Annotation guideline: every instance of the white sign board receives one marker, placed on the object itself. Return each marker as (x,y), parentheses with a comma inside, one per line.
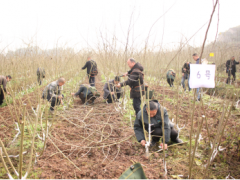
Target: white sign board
(202,75)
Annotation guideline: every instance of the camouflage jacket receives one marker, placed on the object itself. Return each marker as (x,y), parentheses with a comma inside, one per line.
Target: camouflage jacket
(52,90)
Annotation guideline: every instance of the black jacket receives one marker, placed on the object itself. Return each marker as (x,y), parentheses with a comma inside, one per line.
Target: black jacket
(187,67)
(89,66)
(156,121)
(110,87)
(134,75)
(231,66)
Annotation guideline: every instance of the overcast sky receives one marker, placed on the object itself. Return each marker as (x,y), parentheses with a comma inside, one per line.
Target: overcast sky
(78,23)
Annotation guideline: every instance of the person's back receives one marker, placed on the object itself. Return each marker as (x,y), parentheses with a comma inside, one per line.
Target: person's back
(87,93)
(51,89)
(3,80)
(171,74)
(92,71)
(40,75)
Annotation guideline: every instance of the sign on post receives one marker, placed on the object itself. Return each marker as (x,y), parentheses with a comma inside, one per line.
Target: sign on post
(202,75)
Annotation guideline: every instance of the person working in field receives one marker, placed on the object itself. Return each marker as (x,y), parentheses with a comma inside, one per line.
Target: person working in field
(185,75)
(231,68)
(40,75)
(92,71)
(53,93)
(154,110)
(87,94)
(3,84)
(111,92)
(136,83)
(170,77)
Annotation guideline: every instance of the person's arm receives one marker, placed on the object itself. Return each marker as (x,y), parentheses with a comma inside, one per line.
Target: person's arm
(106,88)
(183,68)
(227,64)
(131,77)
(236,62)
(81,89)
(138,128)
(4,85)
(85,66)
(167,128)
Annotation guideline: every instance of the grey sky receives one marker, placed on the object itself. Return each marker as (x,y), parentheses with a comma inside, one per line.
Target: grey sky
(79,22)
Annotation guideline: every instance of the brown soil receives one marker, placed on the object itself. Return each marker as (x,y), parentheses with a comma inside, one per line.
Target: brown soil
(102,143)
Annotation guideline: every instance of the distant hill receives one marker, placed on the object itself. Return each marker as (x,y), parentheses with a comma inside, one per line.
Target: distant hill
(231,35)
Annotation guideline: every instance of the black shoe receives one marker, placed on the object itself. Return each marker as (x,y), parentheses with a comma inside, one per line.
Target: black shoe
(178,140)
(153,143)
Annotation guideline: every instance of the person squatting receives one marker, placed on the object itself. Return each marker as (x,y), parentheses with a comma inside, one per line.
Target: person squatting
(155,113)
(87,94)
(112,92)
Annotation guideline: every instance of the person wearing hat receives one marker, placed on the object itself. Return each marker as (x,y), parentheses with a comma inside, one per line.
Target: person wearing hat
(87,94)
(111,92)
(170,77)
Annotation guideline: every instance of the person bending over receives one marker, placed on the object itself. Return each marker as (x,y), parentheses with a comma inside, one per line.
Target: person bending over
(170,77)
(87,94)
(154,111)
(111,92)
(53,93)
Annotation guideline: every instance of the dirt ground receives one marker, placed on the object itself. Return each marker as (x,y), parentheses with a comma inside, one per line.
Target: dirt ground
(99,140)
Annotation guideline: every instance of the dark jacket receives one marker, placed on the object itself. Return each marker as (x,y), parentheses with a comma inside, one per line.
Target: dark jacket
(156,121)
(134,75)
(52,90)
(187,67)
(41,72)
(89,66)
(85,90)
(110,87)
(231,66)
(3,82)
(170,75)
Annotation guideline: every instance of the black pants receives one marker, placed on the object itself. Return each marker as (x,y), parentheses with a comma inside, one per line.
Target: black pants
(109,99)
(54,101)
(158,132)
(170,82)
(39,79)
(90,98)
(137,104)
(1,96)
(91,80)
(229,76)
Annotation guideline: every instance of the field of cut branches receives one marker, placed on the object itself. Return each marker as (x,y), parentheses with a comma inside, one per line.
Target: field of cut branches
(98,141)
